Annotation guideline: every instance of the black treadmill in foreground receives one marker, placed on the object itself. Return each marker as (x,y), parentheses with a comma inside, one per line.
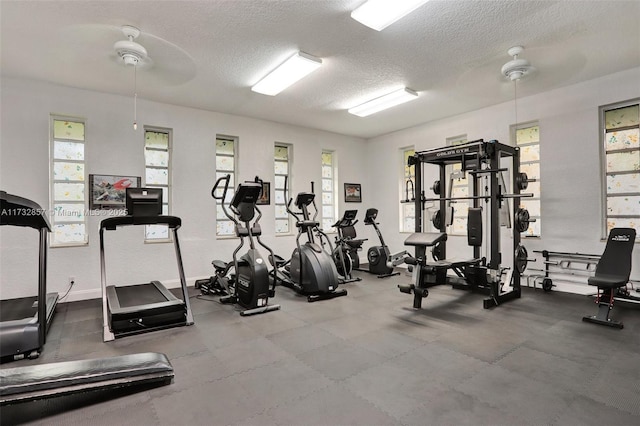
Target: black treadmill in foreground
(24,322)
(138,308)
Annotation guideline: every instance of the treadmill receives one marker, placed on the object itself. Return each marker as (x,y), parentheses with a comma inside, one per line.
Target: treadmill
(24,322)
(139,308)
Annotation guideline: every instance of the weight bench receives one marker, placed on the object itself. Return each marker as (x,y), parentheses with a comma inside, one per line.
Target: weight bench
(42,381)
(612,272)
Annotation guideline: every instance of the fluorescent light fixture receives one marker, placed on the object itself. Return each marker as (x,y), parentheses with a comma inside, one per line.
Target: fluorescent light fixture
(383,102)
(293,69)
(379,14)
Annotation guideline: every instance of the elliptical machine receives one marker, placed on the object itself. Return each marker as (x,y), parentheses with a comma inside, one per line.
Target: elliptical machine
(249,285)
(381,261)
(345,255)
(310,271)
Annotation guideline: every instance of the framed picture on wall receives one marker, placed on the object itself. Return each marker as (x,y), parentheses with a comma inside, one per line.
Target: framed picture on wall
(352,193)
(108,191)
(265,195)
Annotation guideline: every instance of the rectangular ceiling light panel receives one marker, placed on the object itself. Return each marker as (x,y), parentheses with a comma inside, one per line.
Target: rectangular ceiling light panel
(379,14)
(287,73)
(383,102)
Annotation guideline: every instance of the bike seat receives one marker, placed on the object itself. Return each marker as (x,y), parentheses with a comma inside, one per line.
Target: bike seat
(219,265)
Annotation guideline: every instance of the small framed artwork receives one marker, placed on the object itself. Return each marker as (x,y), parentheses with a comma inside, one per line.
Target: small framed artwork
(352,193)
(108,191)
(265,195)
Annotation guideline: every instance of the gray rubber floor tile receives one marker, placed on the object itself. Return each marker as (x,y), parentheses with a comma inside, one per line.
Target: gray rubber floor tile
(583,411)
(333,405)
(516,395)
(488,345)
(249,354)
(272,322)
(340,360)
(303,339)
(219,334)
(548,368)
(616,388)
(387,343)
(281,382)
(173,342)
(350,326)
(440,364)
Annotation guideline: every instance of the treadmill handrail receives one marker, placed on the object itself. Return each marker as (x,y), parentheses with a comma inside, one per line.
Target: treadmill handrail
(19,211)
(111,223)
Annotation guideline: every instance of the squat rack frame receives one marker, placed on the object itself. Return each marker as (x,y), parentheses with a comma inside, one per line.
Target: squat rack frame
(472,155)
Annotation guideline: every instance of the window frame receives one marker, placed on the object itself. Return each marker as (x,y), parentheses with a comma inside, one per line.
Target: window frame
(406,173)
(602,110)
(232,184)
(514,141)
(52,181)
(289,162)
(334,192)
(169,132)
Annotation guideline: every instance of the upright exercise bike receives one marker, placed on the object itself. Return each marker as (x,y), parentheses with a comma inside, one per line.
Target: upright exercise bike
(345,255)
(310,271)
(381,261)
(249,285)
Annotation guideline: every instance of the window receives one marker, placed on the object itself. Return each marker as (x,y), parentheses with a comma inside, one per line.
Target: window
(527,137)
(459,188)
(329,179)
(68,197)
(225,165)
(157,161)
(407,207)
(621,164)
(282,169)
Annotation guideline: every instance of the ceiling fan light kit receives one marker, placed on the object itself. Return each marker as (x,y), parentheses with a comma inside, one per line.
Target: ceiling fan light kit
(132,53)
(516,68)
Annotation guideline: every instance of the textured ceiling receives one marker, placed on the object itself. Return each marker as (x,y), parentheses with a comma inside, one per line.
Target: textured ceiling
(207,54)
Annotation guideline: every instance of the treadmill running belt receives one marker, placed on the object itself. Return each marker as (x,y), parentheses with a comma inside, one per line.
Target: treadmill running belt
(137,295)
(17,309)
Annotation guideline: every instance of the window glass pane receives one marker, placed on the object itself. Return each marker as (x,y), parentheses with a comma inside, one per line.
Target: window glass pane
(623,183)
(156,158)
(68,191)
(533,206)
(326,225)
(280,197)
(68,212)
(534,228)
(327,171)
(409,209)
(224,147)
(527,135)
(614,222)
(225,227)
(157,176)
(625,205)
(281,153)
(530,153)
(279,182)
(220,212)
(459,225)
(461,209)
(327,184)
(622,117)
(68,130)
(281,212)
(69,233)
(281,168)
(460,191)
(327,198)
(327,159)
(533,188)
(68,150)
(532,170)
(623,161)
(327,212)
(622,139)
(282,226)
(68,171)
(224,163)
(409,224)
(156,232)
(156,140)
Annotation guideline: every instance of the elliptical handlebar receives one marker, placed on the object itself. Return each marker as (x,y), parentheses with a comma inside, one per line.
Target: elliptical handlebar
(315,215)
(226,180)
(291,212)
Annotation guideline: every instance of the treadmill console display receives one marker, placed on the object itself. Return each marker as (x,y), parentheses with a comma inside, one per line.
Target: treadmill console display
(144,201)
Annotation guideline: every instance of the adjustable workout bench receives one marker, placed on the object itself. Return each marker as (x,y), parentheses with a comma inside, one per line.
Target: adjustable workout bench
(612,272)
(36,382)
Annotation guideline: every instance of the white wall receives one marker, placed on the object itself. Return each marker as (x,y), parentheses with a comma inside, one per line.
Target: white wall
(570,163)
(113,147)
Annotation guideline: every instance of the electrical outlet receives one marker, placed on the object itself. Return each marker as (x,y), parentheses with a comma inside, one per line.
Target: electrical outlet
(72,280)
